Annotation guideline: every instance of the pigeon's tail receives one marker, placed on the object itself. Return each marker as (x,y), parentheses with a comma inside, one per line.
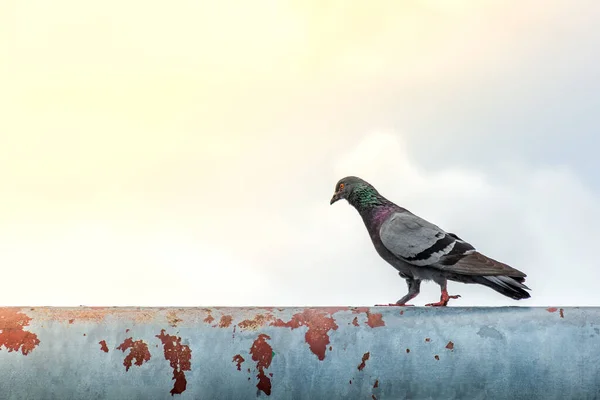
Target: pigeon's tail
(512,287)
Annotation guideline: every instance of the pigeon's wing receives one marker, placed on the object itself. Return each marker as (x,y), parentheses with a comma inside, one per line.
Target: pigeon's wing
(421,243)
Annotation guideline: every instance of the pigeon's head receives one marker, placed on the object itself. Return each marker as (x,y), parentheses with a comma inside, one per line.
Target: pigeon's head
(345,186)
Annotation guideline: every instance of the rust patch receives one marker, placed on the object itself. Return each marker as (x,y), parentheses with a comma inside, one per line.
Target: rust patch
(375,320)
(350,381)
(450,345)
(437,357)
(562,313)
(427,339)
(358,310)
(179,357)
(376,383)
(363,362)
(258,321)
(401,312)
(126,330)
(332,310)
(373,397)
(103,346)
(238,359)
(172,318)
(225,321)
(12,335)
(139,352)
(262,354)
(407,351)
(355,321)
(71,321)
(93,314)
(319,324)
(330,348)
(552,309)
(209,318)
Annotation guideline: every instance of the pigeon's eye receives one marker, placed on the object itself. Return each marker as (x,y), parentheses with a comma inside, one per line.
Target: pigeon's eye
(341,186)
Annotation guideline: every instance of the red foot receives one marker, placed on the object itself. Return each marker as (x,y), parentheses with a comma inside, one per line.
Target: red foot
(394,305)
(443,300)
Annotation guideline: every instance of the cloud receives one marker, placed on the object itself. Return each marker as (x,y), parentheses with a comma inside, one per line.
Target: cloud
(114,264)
(306,252)
(541,221)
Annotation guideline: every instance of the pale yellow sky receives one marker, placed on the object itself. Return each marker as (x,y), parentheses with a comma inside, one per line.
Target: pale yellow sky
(123,120)
(97,96)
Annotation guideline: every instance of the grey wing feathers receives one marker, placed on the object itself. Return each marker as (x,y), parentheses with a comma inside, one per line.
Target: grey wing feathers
(421,243)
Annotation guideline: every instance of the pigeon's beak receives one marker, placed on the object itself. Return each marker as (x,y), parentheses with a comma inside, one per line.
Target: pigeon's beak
(336,197)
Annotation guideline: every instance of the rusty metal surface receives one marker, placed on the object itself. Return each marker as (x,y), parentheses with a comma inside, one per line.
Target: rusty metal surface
(300,353)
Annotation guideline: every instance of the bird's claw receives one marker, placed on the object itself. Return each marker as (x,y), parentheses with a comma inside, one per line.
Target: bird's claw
(443,301)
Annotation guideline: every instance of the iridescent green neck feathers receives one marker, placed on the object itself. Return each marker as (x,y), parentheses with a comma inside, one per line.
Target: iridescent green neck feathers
(364,197)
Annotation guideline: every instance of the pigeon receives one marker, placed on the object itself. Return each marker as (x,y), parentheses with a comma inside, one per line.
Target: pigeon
(420,250)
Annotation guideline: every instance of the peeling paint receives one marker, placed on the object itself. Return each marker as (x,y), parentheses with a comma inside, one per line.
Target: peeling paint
(319,324)
(209,318)
(179,357)
(363,362)
(291,333)
(92,314)
(12,335)
(262,354)
(238,359)
(139,351)
(172,319)
(375,320)
(258,321)
(225,321)
(554,309)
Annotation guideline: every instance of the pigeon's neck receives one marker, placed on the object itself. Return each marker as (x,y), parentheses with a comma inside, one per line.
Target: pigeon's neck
(366,200)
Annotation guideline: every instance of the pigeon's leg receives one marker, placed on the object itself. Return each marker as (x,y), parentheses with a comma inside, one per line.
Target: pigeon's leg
(414,287)
(445,297)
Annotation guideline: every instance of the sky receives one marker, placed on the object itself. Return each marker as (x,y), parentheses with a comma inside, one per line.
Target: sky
(184,153)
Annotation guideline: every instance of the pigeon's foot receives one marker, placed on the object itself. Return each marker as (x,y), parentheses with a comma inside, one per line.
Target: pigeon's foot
(394,305)
(444,299)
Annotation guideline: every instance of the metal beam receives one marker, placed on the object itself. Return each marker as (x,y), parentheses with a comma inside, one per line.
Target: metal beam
(300,353)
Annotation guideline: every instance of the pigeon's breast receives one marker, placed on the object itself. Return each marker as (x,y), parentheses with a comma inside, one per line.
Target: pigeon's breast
(373,223)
